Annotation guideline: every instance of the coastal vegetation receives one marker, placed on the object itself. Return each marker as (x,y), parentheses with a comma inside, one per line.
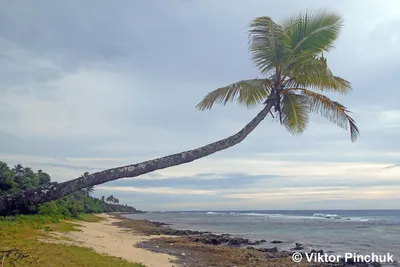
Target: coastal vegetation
(296,76)
(20,234)
(23,243)
(19,178)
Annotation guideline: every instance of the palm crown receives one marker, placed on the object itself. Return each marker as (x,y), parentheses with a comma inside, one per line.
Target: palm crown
(290,56)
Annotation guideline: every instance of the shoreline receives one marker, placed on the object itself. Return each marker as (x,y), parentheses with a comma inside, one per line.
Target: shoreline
(203,249)
(157,244)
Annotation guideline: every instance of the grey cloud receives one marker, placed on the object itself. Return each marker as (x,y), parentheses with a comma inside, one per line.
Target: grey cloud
(237,182)
(203,181)
(13,144)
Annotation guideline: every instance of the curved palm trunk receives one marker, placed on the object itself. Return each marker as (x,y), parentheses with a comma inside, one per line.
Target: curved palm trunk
(23,200)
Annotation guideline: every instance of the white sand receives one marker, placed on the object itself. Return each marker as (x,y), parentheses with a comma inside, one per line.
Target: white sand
(114,241)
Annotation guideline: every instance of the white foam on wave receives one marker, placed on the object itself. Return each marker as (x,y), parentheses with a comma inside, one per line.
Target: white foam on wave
(315,216)
(255,214)
(335,216)
(328,216)
(359,219)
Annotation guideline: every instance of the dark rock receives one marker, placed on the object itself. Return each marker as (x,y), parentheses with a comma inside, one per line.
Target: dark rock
(211,239)
(256,243)
(159,224)
(269,250)
(276,242)
(170,231)
(237,242)
(298,247)
(224,239)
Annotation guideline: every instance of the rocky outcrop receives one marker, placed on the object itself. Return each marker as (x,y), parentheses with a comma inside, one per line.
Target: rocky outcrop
(276,242)
(225,239)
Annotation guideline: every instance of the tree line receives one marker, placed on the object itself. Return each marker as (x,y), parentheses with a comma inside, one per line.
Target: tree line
(20,178)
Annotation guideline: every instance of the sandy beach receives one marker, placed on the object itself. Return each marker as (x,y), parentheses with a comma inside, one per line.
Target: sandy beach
(140,241)
(103,237)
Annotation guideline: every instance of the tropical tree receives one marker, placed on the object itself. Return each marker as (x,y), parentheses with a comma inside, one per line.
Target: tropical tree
(6,178)
(88,190)
(18,170)
(112,200)
(43,178)
(296,74)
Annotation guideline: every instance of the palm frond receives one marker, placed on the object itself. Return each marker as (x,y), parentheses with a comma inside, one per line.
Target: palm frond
(247,92)
(313,72)
(313,31)
(295,112)
(266,43)
(332,110)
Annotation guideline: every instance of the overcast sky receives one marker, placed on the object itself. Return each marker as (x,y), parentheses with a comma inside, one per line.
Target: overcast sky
(88,85)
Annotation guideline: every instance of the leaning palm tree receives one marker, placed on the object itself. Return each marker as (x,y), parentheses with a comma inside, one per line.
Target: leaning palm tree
(87,190)
(290,56)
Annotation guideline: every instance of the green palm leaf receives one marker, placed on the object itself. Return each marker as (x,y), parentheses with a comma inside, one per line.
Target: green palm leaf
(313,31)
(332,110)
(247,92)
(266,43)
(295,112)
(315,73)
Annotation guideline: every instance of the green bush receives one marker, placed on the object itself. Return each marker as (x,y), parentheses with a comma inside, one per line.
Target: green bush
(49,208)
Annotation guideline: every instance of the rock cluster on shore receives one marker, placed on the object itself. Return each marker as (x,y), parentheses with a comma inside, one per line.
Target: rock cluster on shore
(238,242)
(195,247)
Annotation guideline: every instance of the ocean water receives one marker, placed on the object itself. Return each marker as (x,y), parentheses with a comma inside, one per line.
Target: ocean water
(341,231)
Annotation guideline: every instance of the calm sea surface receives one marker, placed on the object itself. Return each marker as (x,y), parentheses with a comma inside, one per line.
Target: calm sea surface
(341,231)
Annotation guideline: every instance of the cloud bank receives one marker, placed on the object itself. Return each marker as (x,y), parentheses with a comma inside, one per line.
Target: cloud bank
(85,89)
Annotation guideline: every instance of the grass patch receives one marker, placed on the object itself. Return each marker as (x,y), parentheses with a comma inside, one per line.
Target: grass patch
(62,227)
(89,218)
(19,245)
